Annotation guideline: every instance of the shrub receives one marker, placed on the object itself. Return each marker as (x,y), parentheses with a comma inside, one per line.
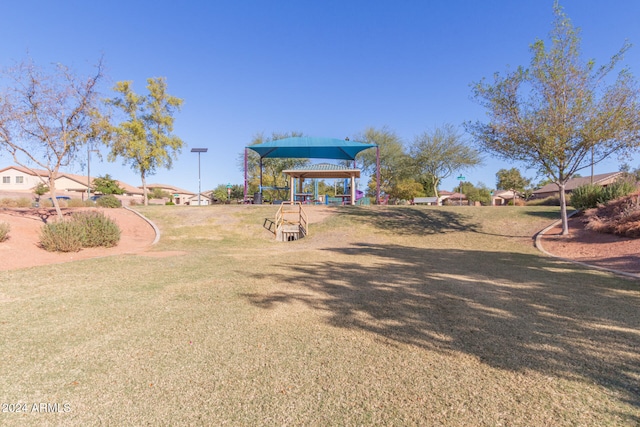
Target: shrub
(4,231)
(109,201)
(547,201)
(78,203)
(620,216)
(19,202)
(586,196)
(591,195)
(82,230)
(60,236)
(95,229)
(616,190)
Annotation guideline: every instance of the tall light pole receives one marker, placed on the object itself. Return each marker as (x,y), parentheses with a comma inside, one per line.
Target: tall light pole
(199,150)
(89,150)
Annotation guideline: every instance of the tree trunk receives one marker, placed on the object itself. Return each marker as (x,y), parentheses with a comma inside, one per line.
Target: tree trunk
(144,190)
(435,187)
(563,210)
(54,199)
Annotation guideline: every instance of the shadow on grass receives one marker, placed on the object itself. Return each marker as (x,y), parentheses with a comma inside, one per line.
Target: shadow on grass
(411,221)
(552,215)
(512,311)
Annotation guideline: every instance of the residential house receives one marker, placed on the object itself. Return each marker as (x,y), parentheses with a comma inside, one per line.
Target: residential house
(179,195)
(17,178)
(206,198)
(450,198)
(503,197)
(454,199)
(20,180)
(551,190)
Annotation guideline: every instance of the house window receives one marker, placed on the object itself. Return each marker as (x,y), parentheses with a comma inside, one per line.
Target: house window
(19,179)
(6,180)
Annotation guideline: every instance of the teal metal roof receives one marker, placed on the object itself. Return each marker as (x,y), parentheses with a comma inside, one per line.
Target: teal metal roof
(322,167)
(323,170)
(310,148)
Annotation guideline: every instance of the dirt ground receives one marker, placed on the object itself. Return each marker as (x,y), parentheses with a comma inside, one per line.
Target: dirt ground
(590,247)
(22,250)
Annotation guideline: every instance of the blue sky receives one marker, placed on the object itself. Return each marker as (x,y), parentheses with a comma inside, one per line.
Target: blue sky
(327,68)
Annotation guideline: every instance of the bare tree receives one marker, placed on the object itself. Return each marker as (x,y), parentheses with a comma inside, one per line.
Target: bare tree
(46,117)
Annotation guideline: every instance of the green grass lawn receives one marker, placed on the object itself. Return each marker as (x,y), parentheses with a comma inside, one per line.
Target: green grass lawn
(382,316)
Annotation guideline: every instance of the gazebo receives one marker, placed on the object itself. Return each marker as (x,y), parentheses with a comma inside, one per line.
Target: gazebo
(314,148)
(322,171)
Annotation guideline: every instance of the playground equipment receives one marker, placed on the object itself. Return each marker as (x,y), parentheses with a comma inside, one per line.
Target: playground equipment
(291,222)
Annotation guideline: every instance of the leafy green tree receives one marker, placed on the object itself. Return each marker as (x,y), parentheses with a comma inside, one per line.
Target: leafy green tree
(221,192)
(394,162)
(46,117)
(159,193)
(475,194)
(325,187)
(511,179)
(438,154)
(429,185)
(144,140)
(406,189)
(559,116)
(106,185)
(40,190)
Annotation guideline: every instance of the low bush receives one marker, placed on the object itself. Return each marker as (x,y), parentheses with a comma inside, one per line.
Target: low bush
(78,203)
(586,196)
(82,230)
(19,202)
(591,195)
(4,231)
(518,202)
(60,236)
(48,203)
(617,190)
(96,229)
(547,201)
(620,216)
(109,201)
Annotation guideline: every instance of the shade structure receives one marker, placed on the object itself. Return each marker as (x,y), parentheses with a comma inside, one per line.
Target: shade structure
(323,171)
(310,148)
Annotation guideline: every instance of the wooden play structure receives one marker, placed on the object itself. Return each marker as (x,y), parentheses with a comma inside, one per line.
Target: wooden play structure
(291,222)
(291,219)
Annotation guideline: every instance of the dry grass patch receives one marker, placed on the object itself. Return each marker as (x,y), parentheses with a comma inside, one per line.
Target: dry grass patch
(382,316)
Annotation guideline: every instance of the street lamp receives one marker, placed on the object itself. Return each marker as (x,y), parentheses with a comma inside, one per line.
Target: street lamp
(89,150)
(199,150)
